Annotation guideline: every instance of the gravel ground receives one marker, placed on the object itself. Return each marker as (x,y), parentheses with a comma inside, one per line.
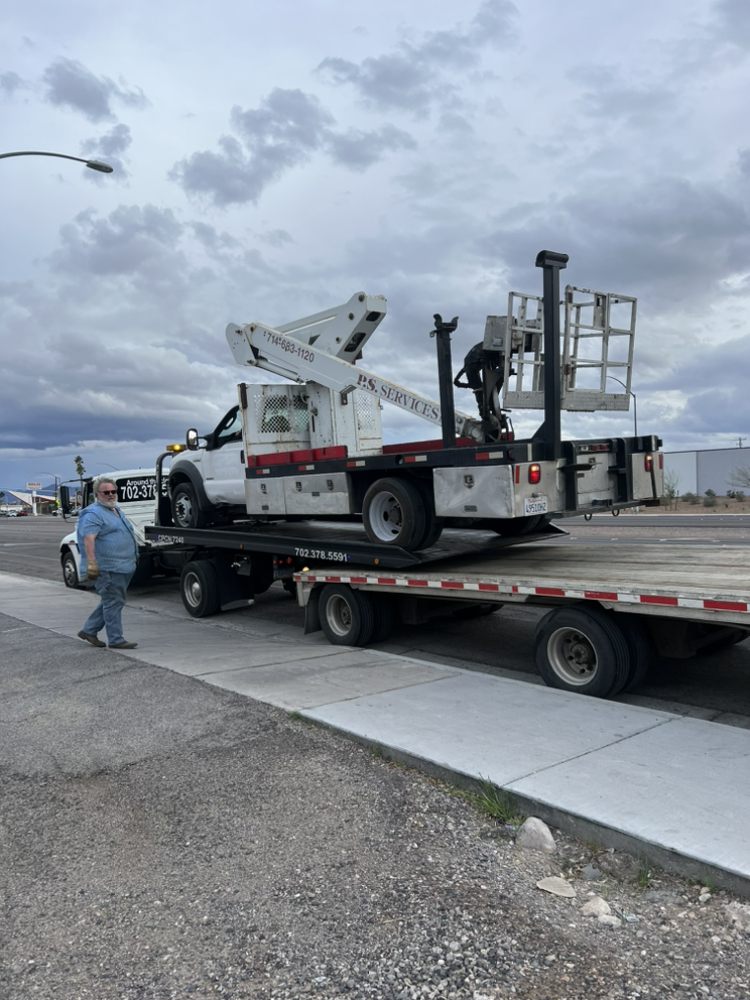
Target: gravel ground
(221,848)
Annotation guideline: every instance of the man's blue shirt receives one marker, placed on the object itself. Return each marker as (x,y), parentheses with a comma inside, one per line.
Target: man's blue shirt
(116,547)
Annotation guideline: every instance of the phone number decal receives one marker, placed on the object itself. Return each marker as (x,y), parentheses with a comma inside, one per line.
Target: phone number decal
(291,346)
(329,554)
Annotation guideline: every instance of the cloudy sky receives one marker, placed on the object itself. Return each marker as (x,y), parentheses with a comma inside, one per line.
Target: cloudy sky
(273,157)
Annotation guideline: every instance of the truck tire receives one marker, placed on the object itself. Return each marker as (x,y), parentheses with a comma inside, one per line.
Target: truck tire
(641,650)
(69,571)
(394,513)
(199,588)
(433,528)
(186,512)
(347,616)
(582,651)
(385,617)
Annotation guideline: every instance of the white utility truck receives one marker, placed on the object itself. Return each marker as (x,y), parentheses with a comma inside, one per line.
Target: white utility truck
(611,607)
(314,447)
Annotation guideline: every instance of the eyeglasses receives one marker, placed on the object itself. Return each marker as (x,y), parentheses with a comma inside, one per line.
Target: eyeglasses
(108,493)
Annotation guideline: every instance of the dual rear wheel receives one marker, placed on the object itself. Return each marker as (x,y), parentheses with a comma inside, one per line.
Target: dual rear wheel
(590,651)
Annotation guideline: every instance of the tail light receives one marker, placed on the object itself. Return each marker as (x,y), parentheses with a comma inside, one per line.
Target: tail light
(648,462)
(535,473)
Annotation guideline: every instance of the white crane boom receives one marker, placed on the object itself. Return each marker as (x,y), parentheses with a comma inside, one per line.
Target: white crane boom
(280,350)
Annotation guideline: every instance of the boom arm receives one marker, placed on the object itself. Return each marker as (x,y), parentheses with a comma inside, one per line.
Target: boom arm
(272,349)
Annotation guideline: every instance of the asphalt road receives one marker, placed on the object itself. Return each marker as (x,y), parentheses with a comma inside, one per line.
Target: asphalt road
(715,686)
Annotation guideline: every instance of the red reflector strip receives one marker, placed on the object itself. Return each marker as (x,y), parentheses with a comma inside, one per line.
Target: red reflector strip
(418,583)
(451,585)
(671,602)
(517,476)
(549,591)
(600,595)
(725,605)
(388,581)
(491,587)
(414,458)
(335,451)
(305,468)
(358,579)
(333,579)
(355,465)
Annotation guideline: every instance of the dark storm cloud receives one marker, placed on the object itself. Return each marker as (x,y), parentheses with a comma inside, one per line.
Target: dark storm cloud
(716,380)
(286,125)
(10,82)
(417,74)
(358,149)
(612,97)
(284,131)
(72,85)
(134,240)
(674,239)
(111,148)
(733,21)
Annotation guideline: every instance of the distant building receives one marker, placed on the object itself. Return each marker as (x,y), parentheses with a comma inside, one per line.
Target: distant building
(698,471)
(21,499)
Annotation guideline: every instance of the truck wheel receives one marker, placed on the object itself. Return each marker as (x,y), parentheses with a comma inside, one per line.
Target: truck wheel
(69,571)
(582,651)
(199,587)
(346,616)
(385,617)
(433,528)
(641,651)
(394,513)
(186,512)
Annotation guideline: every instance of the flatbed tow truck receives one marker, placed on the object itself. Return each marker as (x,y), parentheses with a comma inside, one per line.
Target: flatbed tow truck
(612,609)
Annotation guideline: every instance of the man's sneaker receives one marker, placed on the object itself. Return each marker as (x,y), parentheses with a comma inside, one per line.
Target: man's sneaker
(88,637)
(122,645)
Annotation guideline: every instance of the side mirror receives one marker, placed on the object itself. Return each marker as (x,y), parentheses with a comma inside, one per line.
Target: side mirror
(192,439)
(65,503)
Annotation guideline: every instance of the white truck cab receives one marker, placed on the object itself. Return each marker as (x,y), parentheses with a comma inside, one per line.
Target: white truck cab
(207,481)
(136,495)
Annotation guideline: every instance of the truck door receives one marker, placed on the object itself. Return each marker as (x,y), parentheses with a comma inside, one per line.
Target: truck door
(223,467)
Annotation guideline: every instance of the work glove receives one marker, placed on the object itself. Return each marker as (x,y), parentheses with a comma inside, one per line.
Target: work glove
(92,571)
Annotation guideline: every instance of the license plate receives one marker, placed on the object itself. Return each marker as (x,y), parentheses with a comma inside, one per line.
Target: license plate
(535,505)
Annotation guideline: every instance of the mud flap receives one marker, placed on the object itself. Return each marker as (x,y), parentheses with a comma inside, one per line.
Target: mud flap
(312,617)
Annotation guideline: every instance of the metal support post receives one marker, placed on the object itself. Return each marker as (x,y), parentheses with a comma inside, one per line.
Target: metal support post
(549,433)
(443,333)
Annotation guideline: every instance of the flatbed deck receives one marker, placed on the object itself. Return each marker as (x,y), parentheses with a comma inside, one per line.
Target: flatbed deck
(338,542)
(704,583)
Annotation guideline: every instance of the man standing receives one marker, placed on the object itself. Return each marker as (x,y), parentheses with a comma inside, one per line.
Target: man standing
(109,553)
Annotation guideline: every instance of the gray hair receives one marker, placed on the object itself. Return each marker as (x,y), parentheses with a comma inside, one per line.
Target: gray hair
(100,480)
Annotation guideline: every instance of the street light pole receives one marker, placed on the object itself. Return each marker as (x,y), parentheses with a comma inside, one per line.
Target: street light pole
(57,485)
(635,402)
(103,168)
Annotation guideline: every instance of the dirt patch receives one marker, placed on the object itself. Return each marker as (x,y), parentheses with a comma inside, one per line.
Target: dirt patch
(702,505)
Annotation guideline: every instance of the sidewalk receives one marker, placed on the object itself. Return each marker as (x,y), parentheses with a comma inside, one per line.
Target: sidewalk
(673,790)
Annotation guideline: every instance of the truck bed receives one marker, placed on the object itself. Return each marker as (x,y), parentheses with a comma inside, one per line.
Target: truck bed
(705,583)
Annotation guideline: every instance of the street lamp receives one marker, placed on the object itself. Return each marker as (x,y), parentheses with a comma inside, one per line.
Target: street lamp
(57,484)
(103,168)
(635,403)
